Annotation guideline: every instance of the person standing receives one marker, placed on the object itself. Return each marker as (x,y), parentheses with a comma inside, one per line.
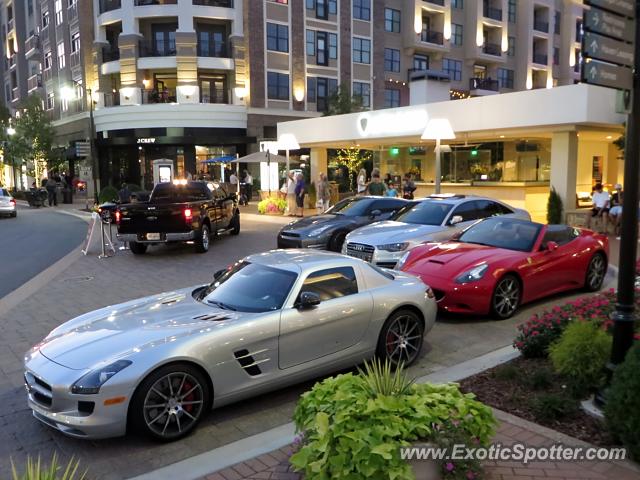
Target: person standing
(408,187)
(376,187)
(52,194)
(248,185)
(290,192)
(391,191)
(616,208)
(323,193)
(233,178)
(362,182)
(300,191)
(601,202)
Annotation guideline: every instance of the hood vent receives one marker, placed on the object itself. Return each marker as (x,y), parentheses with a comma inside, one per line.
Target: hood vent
(247,362)
(437,262)
(169,301)
(216,317)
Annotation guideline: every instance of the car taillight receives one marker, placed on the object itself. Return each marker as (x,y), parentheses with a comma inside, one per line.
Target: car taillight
(117,214)
(187,214)
(12,202)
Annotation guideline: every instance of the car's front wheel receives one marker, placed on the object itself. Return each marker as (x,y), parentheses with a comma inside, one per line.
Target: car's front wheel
(137,248)
(506,297)
(401,338)
(170,402)
(596,272)
(336,241)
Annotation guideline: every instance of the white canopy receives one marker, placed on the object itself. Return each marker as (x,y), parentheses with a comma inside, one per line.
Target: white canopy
(258,157)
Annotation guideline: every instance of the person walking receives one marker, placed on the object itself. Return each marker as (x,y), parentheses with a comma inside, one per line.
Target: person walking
(248,185)
(323,193)
(124,195)
(408,187)
(300,191)
(376,187)
(362,182)
(52,194)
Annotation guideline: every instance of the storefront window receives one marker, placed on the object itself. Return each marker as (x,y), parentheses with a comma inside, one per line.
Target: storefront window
(204,157)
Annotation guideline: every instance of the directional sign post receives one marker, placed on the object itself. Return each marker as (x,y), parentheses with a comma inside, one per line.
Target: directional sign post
(607,75)
(599,21)
(83,149)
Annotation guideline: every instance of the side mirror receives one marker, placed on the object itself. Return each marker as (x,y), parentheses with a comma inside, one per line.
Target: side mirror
(376,213)
(551,246)
(455,220)
(219,274)
(307,300)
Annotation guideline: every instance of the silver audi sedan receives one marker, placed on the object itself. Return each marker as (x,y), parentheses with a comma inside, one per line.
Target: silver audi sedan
(155,365)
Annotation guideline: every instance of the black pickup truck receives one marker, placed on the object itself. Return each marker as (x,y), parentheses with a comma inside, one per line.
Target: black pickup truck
(178,212)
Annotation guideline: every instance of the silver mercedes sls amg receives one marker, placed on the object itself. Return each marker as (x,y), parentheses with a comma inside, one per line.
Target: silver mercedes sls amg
(157,364)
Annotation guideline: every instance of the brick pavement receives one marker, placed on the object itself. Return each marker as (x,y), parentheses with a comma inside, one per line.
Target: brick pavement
(275,465)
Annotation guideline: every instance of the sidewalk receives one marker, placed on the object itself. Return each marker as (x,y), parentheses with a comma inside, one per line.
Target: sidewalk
(275,465)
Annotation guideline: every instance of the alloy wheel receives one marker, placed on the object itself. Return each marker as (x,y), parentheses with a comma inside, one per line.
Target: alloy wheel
(205,238)
(173,404)
(596,272)
(403,340)
(506,297)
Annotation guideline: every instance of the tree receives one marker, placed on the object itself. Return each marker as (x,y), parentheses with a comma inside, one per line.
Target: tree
(34,136)
(341,102)
(352,158)
(554,207)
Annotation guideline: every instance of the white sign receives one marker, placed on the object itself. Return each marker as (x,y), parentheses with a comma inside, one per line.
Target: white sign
(269,177)
(146,140)
(271,146)
(402,123)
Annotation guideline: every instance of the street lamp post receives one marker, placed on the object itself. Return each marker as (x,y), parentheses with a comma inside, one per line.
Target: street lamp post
(11,131)
(438,129)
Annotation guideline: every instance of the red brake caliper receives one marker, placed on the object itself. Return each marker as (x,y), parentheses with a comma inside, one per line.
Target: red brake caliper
(186,387)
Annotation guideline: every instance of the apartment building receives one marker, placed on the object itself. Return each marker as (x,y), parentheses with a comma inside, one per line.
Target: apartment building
(193,80)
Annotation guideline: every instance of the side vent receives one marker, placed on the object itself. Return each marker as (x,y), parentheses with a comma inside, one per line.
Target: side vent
(214,318)
(247,362)
(169,301)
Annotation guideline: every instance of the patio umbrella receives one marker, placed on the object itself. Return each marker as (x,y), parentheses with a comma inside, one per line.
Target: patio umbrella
(259,157)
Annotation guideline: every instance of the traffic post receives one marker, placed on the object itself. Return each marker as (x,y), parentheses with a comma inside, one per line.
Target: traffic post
(611,48)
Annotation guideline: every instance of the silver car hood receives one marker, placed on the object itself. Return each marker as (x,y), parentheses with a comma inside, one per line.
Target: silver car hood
(117,331)
(389,231)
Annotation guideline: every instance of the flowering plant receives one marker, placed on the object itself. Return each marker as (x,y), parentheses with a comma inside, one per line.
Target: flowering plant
(272,205)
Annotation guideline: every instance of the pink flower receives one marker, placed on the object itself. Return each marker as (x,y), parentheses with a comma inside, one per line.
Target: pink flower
(471,475)
(449,467)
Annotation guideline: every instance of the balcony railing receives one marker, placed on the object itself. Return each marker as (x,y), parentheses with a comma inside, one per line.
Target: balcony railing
(541,26)
(34,81)
(483,84)
(153,50)
(74,58)
(47,74)
(109,54)
(492,49)
(214,3)
(141,3)
(12,60)
(540,58)
(32,43)
(436,2)
(155,96)
(108,5)
(430,36)
(73,11)
(112,99)
(11,24)
(493,13)
(212,49)
(15,94)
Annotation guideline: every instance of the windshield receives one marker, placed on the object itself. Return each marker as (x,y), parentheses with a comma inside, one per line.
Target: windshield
(4,193)
(352,207)
(424,213)
(501,232)
(250,287)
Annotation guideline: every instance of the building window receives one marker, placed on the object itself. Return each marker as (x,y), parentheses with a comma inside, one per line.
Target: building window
(283,2)
(420,62)
(322,45)
(391,97)
(325,87)
(311,42)
(362,9)
(556,23)
(453,68)
(72,3)
(323,7)
(363,91)
(391,60)
(277,86)
(48,60)
(277,37)
(211,41)
(556,56)
(459,4)
(61,58)
(456,34)
(50,101)
(45,19)
(30,7)
(392,20)
(322,49)
(75,42)
(333,46)
(512,11)
(361,50)
(505,78)
(511,46)
(58,10)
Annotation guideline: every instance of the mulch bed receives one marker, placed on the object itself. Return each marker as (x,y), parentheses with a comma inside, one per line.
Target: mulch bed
(508,387)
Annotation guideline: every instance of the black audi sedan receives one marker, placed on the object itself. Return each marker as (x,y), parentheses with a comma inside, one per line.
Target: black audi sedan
(327,231)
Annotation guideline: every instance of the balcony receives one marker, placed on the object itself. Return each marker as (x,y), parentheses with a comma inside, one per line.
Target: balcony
(154,96)
(212,50)
(484,84)
(492,49)
(141,3)
(541,26)
(108,5)
(540,58)
(492,13)
(436,2)
(73,11)
(112,99)
(47,74)
(15,94)
(214,3)
(154,50)
(34,82)
(32,46)
(430,36)
(74,58)
(110,54)
(13,60)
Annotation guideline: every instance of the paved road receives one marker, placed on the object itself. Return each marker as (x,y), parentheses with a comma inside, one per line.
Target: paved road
(34,240)
(125,276)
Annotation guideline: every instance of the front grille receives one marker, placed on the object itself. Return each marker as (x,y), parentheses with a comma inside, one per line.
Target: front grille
(361,251)
(290,235)
(39,390)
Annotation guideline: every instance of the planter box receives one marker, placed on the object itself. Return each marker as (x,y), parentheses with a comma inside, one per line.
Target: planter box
(425,469)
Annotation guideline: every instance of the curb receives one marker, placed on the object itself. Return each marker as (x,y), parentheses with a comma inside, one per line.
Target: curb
(270,440)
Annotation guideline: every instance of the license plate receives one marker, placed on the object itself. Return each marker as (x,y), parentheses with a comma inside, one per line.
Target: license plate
(153,236)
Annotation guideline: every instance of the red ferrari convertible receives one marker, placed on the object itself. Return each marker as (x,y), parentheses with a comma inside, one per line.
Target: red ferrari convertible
(499,263)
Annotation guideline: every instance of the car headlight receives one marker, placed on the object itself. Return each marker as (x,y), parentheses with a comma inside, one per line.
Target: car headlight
(402,261)
(393,247)
(319,230)
(473,275)
(91,382)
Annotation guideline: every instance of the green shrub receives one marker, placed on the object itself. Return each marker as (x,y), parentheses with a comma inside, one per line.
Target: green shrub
(580,355)
(622,410)
(540,379)
(351,432)
(381,380)
(506,372)
(108,194)
(35,470)
(554,207)
(550,407)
